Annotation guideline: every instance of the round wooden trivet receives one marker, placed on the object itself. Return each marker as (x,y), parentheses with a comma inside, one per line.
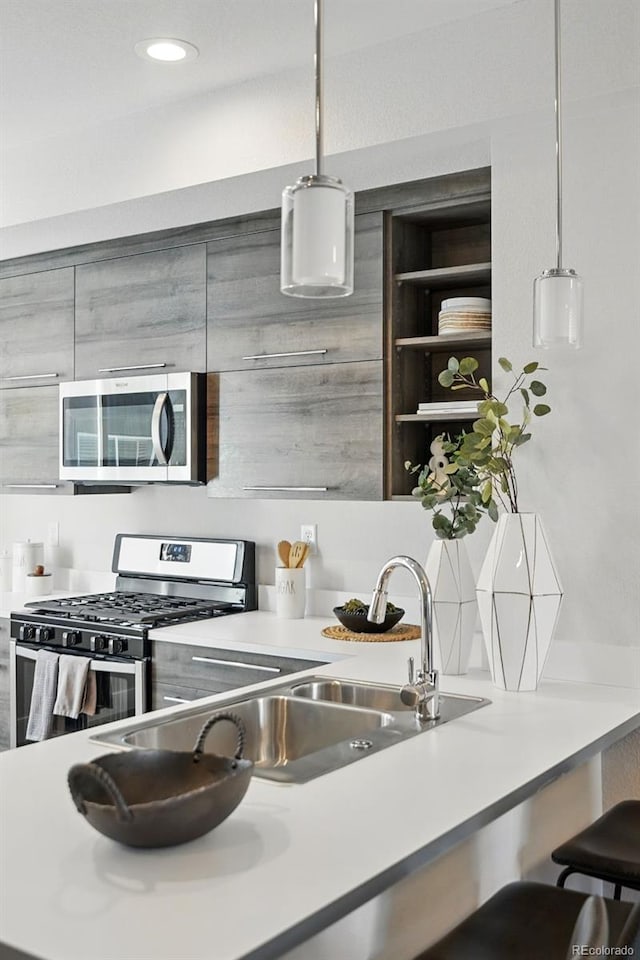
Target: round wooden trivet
(405,631)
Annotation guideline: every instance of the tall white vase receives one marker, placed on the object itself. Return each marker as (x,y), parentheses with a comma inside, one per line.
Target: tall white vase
(519,597)
(454,604)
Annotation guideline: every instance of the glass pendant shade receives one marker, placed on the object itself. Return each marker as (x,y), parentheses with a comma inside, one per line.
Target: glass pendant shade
(557,309)
(317,238)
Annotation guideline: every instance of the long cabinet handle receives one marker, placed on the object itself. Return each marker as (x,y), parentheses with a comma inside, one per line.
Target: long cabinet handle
(32,376)
(290,353)
(138,366)
(176,700)
(298,489)
(32,486)
(236,663)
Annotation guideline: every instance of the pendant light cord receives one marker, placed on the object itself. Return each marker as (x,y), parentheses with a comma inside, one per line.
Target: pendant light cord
(317,10)
(558,139)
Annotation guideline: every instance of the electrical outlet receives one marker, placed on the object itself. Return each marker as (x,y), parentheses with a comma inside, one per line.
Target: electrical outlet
(309,534)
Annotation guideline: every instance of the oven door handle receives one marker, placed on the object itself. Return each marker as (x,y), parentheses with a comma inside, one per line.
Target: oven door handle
(162,403)
(100,666)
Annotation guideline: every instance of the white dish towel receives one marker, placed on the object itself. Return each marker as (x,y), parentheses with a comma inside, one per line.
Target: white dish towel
(72,680)
(43,695)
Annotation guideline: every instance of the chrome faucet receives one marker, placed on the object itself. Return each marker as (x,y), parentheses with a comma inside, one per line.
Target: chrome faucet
(421,691)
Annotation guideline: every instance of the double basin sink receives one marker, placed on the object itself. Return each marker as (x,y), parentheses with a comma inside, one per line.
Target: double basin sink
(299,730)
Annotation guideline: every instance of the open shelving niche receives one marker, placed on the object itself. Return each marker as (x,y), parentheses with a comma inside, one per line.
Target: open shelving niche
(433,252)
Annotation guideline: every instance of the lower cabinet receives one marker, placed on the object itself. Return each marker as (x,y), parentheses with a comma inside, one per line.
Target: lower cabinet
(4,684)
(309,432)
(181,672)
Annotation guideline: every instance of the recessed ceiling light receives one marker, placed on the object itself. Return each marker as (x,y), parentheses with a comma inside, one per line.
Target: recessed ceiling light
(166,50)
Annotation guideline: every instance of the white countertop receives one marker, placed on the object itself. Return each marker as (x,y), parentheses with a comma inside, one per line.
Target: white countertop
(291,858)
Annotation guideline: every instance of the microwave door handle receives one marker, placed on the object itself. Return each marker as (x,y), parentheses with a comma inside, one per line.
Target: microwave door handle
(161,454)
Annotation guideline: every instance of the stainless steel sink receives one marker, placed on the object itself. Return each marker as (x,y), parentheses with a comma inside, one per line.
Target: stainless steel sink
(297,731)
(373,696)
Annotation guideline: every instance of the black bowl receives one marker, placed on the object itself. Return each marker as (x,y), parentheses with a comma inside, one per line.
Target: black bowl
(358,623)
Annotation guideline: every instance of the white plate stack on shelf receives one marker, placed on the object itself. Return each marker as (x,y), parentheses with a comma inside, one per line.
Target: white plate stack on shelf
(464,315)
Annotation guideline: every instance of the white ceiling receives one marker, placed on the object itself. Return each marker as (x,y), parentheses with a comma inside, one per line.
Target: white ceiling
(66,64)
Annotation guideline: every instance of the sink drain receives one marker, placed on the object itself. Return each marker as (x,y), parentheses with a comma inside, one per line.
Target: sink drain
(359,744)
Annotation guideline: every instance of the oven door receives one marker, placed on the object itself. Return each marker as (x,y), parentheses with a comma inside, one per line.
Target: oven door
(122,692)
(130,429)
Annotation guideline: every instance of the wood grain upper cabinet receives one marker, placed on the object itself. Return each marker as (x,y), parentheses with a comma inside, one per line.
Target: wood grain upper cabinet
(36,328)
(29,441)
(307,432)
(251,324)
(142,312)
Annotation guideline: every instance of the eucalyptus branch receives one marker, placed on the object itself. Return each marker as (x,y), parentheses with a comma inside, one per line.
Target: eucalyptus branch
(489,448)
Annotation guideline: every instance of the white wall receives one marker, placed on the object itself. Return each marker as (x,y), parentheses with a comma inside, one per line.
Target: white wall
(411,113)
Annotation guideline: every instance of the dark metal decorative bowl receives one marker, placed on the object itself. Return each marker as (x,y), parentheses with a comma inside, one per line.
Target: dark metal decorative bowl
(160,798)
(358,623)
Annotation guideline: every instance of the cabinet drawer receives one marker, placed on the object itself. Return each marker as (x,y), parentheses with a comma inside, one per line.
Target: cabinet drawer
(252,325)
(212,671)
(170,694)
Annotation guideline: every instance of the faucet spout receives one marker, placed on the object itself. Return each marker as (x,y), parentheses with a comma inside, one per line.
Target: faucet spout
(422,690)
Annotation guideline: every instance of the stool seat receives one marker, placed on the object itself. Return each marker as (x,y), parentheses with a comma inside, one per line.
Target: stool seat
(523,921)
(609,848)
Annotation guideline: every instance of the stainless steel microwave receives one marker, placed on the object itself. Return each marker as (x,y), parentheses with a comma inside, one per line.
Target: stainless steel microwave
(128,430)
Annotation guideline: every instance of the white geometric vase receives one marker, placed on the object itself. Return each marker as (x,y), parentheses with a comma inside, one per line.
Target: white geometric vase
(519,597)
(454,605)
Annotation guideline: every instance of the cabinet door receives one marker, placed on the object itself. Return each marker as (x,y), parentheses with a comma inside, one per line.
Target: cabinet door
(36,328)
(29,441)
(299,433)
(251,324)
(142,312)
(4,684)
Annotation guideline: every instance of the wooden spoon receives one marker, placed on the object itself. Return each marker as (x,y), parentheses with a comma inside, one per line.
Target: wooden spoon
(299,550)
(284,549)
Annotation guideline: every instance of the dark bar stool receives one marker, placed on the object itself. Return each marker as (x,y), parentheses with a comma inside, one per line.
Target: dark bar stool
(533,921)
(609,849)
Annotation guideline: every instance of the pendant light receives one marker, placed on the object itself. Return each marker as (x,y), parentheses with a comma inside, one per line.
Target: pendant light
(557,293)
(317,219)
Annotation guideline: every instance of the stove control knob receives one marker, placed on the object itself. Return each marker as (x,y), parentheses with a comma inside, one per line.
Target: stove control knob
(43,634)
(97,643)
(117,645)
(26,632)
(70,638)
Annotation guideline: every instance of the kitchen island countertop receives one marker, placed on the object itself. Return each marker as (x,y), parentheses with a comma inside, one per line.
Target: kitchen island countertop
(292,858)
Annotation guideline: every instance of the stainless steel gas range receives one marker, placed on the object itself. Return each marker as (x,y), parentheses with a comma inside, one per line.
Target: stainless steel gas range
(160,581)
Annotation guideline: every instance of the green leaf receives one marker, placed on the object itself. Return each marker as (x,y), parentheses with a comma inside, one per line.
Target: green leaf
(487,491)
(445,378)
(484,427)
(537,389)
(492,510)
(530,367)
(500,409)
(468,365)
(453,365)
(525,396)
(506,365)
(522,439)
(541,409)
(484,385)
